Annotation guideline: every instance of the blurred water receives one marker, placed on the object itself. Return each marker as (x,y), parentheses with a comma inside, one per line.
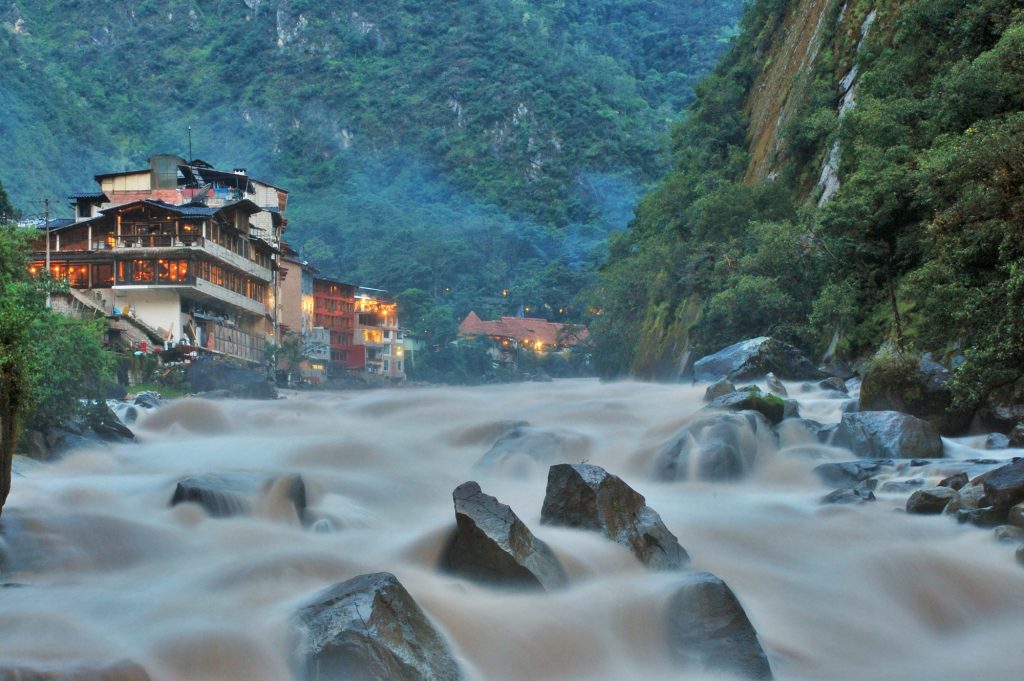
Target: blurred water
(108,570)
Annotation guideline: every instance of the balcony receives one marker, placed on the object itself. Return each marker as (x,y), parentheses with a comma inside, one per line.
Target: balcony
(153,244)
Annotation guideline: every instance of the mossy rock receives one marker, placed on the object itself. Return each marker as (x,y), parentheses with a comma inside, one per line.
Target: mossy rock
(915,386)
(750,398)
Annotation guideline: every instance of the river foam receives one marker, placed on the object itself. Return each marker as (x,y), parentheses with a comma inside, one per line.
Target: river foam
(106,570)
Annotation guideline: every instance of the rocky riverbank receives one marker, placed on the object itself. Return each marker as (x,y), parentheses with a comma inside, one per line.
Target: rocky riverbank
(563,530)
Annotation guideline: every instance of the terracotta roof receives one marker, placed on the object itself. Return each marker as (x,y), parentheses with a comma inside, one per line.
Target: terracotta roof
(530,329)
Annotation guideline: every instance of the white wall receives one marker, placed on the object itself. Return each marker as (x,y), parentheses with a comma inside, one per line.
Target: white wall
(160,309)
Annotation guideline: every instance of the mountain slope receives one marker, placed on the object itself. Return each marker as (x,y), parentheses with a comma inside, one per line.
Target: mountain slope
(406,120)
(847,176)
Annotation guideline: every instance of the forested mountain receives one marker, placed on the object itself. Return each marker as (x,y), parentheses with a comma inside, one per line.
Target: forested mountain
(851,173)
(462,147)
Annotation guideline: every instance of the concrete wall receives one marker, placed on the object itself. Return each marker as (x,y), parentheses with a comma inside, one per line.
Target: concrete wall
(159,308)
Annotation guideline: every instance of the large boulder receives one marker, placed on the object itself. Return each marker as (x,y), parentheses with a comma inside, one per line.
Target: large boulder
(524,444)
(238,493)
(591,498)
(1004,486)
(772,407)
(367,628)
(849,474)
(121,671)
(722,386)
(755,358)
(491,544)
(715,446)
(920,387)
(708,629)
(932,500)
(209,374)
(888,434)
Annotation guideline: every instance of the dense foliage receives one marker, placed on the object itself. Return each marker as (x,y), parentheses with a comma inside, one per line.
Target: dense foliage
(455,147)
(922,242)
(49,363)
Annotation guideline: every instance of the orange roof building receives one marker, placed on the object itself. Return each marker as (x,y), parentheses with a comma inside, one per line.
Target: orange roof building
(538,333)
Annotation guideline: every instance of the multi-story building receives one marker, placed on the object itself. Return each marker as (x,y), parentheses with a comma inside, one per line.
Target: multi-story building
(185,249)
(334,310)
(377,331)
(297,309)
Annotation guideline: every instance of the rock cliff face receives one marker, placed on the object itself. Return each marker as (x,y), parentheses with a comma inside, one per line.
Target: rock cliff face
(806,40)
(780,88)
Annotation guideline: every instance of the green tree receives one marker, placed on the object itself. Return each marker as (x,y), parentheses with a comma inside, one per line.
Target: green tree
(52,368)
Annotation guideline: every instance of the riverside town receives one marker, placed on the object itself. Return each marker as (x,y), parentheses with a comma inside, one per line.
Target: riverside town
(183,258)
(515,340)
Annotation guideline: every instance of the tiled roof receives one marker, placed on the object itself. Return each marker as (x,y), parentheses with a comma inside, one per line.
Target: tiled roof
(99,196)
(59,223)
(519,328)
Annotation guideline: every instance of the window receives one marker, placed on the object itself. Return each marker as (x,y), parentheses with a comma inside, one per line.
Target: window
(103,275)
(78,276)
(172,271)
(142,271)
(385,365)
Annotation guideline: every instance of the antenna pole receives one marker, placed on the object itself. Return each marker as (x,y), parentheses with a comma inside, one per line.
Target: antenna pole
(46,223)
(190,159)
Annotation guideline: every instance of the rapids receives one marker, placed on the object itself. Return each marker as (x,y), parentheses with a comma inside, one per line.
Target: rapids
(100,568)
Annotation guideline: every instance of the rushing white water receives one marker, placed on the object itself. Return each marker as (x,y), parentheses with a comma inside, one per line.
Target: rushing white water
(107,570)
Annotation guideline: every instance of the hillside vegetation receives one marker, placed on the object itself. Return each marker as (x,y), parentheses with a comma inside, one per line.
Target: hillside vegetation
(462,148)
(921,242)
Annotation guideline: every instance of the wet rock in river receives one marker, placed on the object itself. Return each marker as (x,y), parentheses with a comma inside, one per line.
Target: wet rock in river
(902,486)
(148,400)
(534,445)
(775,385)
(1020,554)
(834,383)
(987,516)
(1015,516)
(1004,486)
(970,496)
(236,494)
(591,498)
(864,491)
(1016,437)
(1008,534)
(771,407)
(121,671)
(722,386)
(930,501)
(920,387)
(369,627)
(956,482)
(716,446)
(754,358)
(888,434)
(708,629)
(996,441)
(491,544)
(848,474)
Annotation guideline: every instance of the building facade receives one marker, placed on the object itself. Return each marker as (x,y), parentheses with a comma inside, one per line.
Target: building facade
(378,332)
(183,249)
(334,311)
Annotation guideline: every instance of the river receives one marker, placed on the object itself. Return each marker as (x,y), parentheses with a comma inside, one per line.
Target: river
(102,568)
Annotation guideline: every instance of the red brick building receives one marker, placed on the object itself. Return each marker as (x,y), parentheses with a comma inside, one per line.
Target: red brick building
(334,310)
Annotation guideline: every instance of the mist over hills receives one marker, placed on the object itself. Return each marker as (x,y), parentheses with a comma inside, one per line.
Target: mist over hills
(461,147)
